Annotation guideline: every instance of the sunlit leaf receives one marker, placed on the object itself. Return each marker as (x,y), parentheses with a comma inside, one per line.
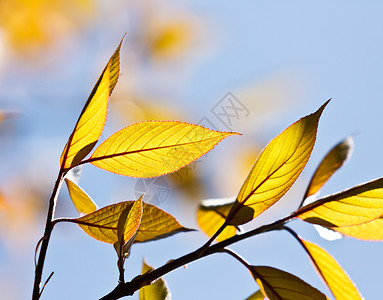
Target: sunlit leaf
(280,285)
(80,199)
(92,119)
(158,290)
(102,224)
(212,214)
(155,148)
(332,273)
(258,295)
(122,246)
(371,231)
(329,165)
(355,206)
(276,169)
(157,224)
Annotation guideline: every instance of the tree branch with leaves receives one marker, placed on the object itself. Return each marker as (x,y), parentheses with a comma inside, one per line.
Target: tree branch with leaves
(155,148)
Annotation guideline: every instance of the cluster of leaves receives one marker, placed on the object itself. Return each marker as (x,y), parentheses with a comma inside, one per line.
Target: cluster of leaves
(155,148)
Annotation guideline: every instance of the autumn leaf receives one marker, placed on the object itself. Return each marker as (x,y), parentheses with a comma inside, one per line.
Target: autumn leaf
(332,273)
(102,224)
(358,205)
(122,246)
(258,295)
(276,169)
(83,203)
(158,290)
(157,224)
(329,165)
(155,148)
(92,119)
(371,231)
(212,214)
(279,285)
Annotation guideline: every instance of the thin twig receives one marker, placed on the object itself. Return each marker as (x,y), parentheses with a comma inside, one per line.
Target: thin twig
(237,257)
(46,282)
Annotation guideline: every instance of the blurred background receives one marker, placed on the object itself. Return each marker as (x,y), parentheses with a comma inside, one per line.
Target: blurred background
(253,67)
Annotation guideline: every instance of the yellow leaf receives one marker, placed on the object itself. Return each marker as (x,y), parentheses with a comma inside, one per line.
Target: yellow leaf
(332,273)
(158,290)
(279,285)
(92,119)
(155,148)
(157,224)
(212,214)
(371,231)
(80,199)
(329,165)
(358,205)
(258,295)
(276,169)
(102,224)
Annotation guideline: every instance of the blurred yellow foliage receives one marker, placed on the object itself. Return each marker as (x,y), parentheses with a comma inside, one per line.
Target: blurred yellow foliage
(29,25)
(170,38)
(21,206)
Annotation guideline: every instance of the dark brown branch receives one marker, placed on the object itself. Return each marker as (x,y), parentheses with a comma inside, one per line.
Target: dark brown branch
(129,288)
(47,234)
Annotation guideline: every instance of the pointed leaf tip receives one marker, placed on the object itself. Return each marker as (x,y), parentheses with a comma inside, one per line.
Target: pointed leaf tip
(157,224)
(83,203)
(276,169)
(333,160)
(332,273)
(92,119)
(155,148)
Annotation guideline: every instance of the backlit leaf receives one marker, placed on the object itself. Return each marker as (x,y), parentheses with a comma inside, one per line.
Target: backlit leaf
(92,119)
(276,169)
(157,224)
(102,224)
(212,214)
(329,165)
(332,273)
(80,199)
(258,295)
(155,148)
(158,290)
(358,205)
(280,285)
(371,231)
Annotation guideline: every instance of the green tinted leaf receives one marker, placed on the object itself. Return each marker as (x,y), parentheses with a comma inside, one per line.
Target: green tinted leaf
(258,295)
(158,290)
(280,285)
